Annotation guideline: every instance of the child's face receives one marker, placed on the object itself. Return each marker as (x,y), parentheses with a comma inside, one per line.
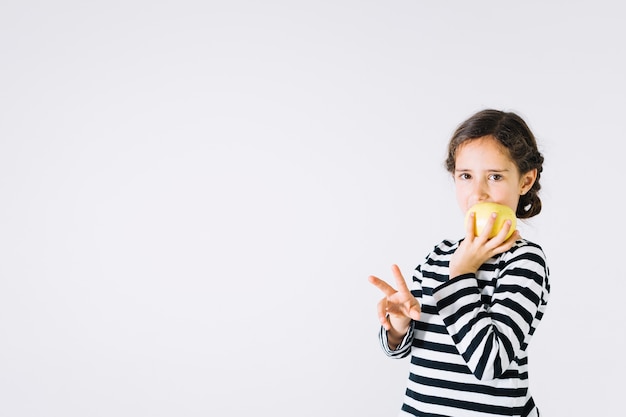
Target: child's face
(484,172)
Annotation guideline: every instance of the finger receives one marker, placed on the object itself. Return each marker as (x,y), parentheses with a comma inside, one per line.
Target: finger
(502,245)
(470,226)
(400,282)
(504,230)
(515,236)
(491,220)
(415,312)
(382,285)
(382,313)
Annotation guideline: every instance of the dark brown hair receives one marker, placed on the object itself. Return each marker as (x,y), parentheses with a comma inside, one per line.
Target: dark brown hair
(514,135)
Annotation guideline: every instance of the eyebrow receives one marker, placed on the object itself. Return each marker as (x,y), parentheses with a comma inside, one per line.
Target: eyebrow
(487,170)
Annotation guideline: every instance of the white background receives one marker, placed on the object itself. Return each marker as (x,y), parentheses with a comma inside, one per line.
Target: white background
(193,194)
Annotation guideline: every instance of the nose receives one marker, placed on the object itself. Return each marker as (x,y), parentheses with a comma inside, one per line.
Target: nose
(479,192)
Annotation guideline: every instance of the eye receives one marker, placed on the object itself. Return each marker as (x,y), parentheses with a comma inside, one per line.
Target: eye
(496,177)
(464,176)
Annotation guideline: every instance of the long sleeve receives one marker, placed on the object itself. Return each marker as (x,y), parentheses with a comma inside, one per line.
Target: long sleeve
(489,334)
(402,350)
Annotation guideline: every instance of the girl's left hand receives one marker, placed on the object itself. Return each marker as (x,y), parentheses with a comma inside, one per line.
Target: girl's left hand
(474,250)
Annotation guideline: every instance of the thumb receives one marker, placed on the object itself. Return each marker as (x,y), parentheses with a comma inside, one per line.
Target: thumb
(414,313)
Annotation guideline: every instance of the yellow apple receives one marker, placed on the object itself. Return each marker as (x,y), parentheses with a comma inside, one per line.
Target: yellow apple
(484,210)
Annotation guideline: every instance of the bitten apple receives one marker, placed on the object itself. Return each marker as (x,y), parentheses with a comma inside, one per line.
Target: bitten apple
(484,210)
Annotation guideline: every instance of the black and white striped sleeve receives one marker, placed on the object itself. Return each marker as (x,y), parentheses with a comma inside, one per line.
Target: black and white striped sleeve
(402,350)
(490,335)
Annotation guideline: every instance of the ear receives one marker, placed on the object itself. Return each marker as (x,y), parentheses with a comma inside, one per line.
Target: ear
(527,181)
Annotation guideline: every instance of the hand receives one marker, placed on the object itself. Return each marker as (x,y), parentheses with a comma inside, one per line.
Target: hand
(474,251)
(397,308)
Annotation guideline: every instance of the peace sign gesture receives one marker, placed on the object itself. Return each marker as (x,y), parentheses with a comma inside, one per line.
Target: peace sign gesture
(397,308)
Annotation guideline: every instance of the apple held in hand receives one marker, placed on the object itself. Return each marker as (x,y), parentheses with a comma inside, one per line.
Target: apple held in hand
(483,212)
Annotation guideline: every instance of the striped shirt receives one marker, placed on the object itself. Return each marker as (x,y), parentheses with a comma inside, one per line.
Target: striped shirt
(468,349)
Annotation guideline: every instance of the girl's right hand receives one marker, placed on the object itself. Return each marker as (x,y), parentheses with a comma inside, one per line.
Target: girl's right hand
(397,308)
(474,250)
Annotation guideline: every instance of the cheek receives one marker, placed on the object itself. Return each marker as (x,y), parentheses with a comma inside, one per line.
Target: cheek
(461,188)
(461,197)
(510,198)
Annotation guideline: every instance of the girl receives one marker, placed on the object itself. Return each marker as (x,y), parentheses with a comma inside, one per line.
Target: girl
(474,303)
